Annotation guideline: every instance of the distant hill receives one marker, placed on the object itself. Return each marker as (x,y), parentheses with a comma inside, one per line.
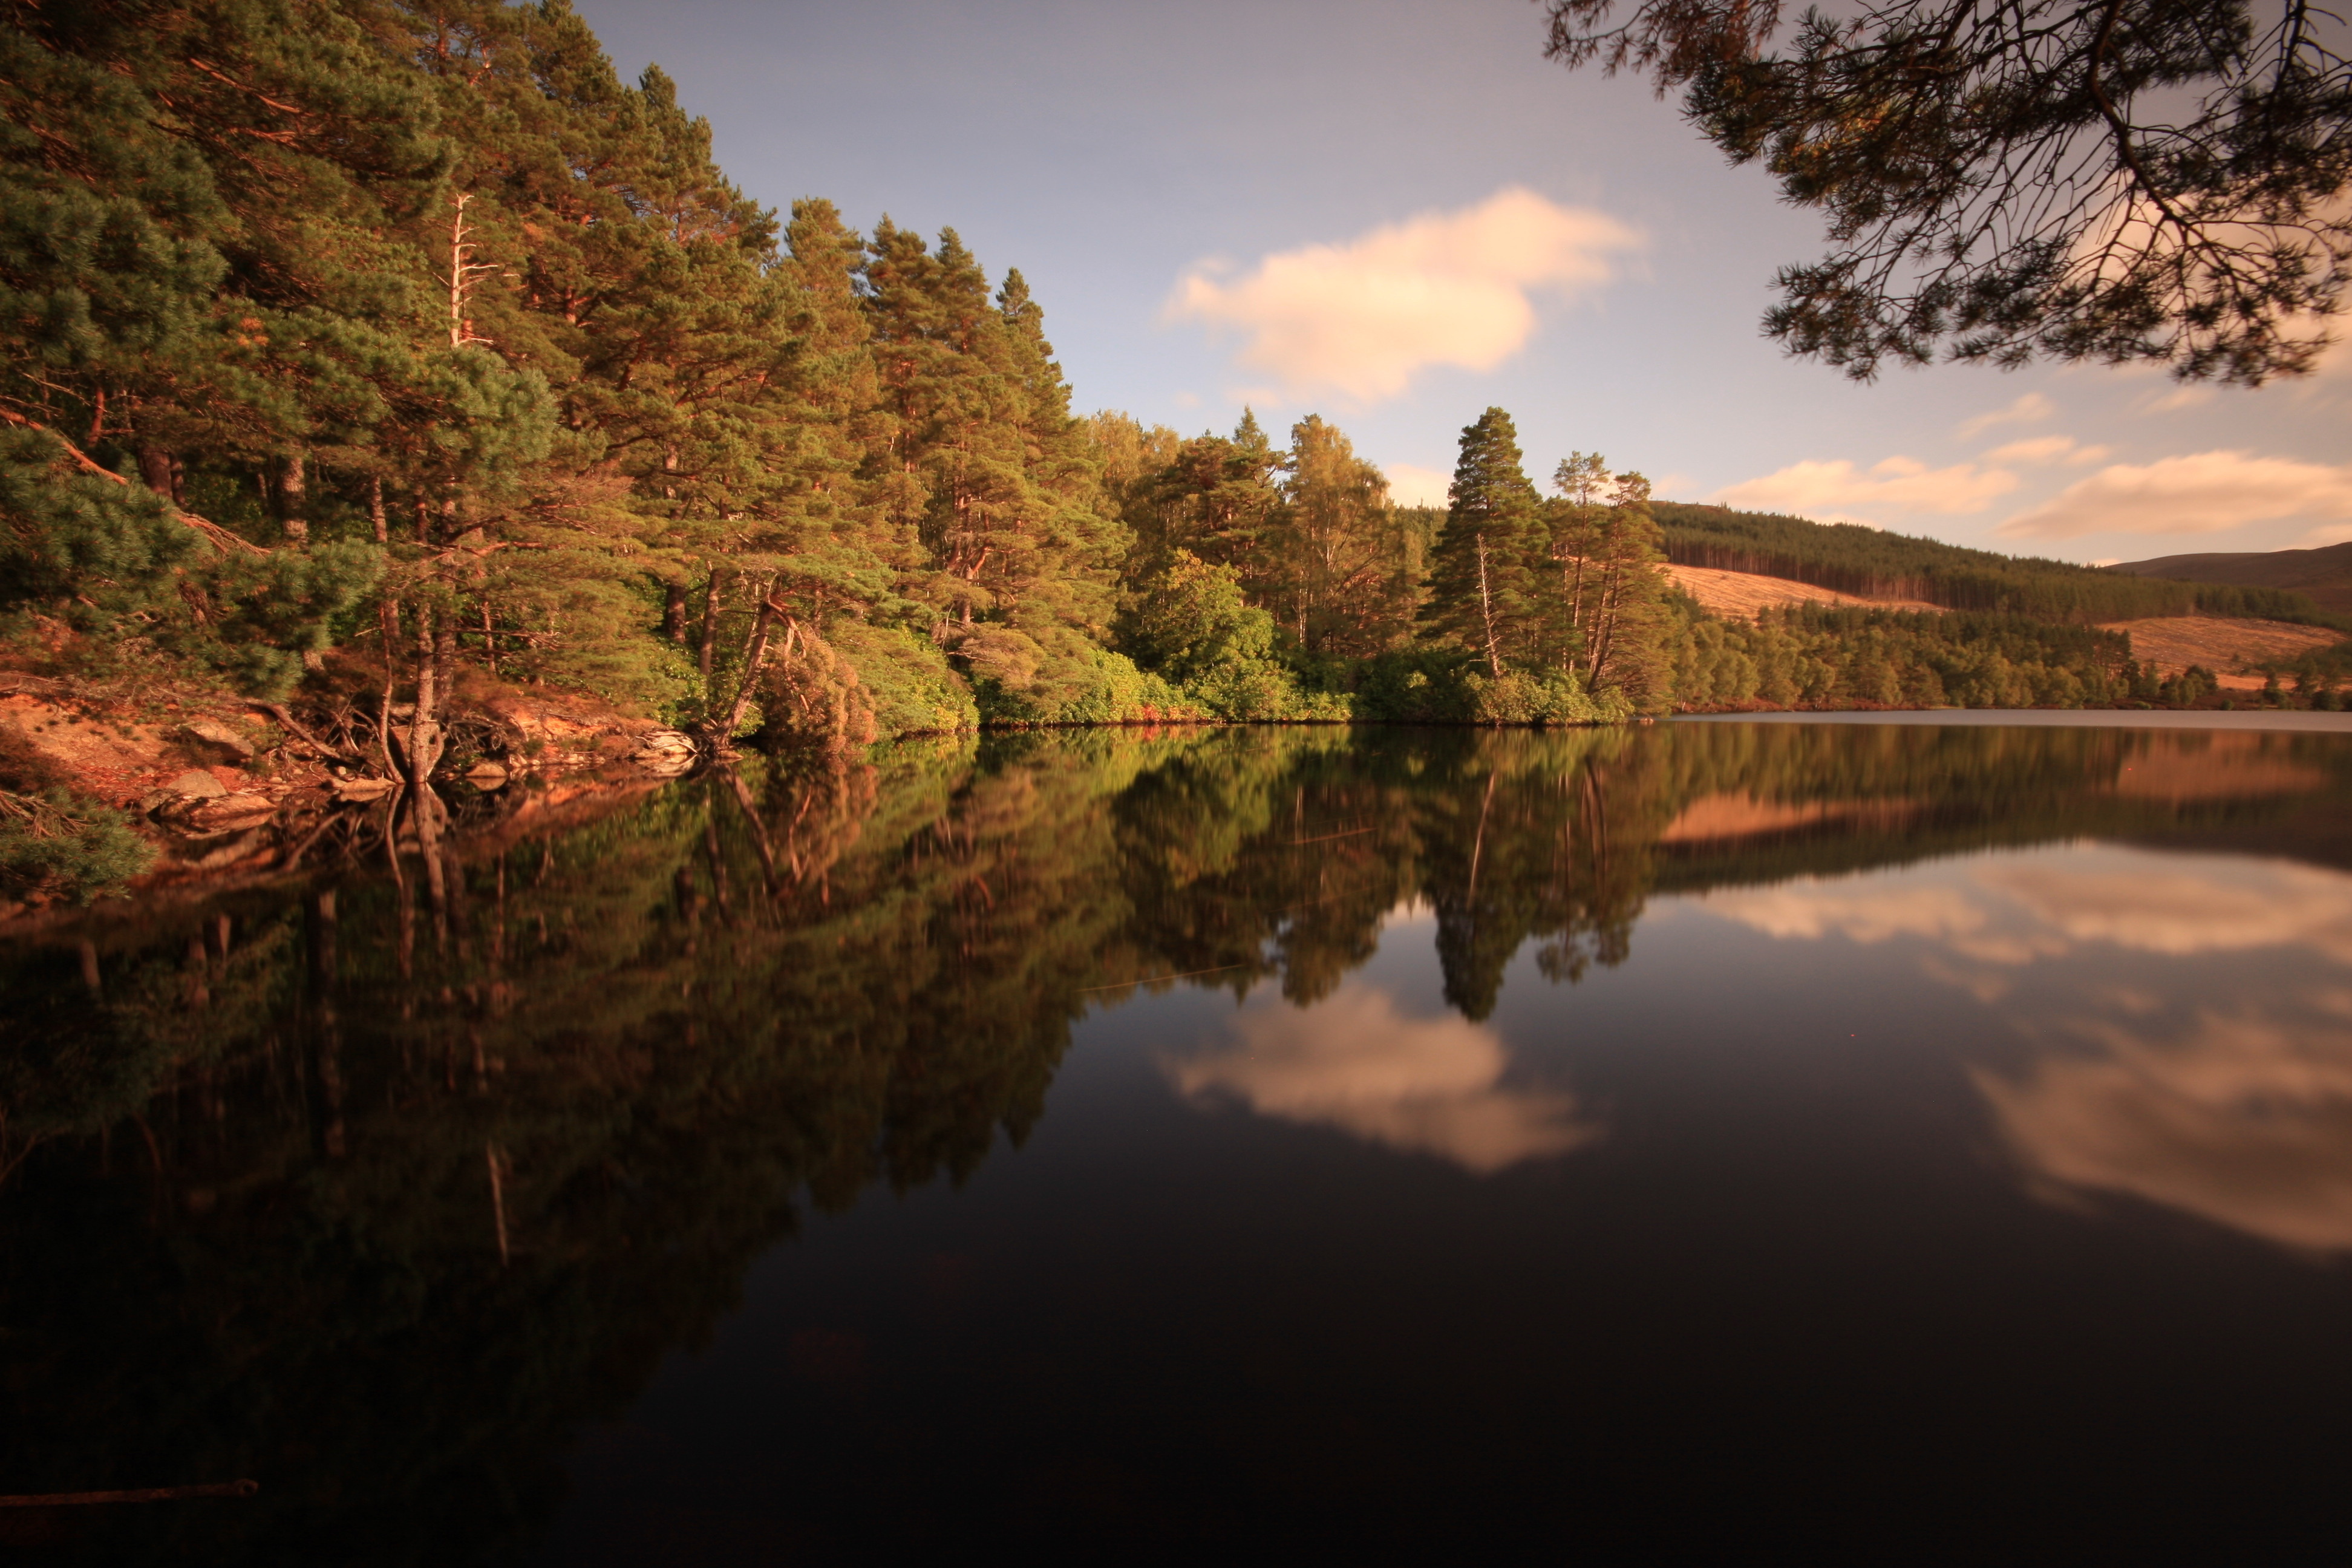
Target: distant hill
(2323,575)
(1874,564)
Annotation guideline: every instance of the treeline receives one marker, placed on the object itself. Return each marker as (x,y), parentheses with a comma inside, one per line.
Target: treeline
(1871,563)
(1813,656)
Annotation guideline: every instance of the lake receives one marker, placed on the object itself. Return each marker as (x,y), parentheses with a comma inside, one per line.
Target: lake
(1911,1140)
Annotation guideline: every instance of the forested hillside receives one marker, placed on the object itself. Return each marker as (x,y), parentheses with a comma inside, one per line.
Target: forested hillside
(2322,575)
(1877,564)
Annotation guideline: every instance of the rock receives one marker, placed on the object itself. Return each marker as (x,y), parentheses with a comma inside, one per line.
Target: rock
(665,752)
(487,776)
(355,790)
(231,811)
(197,785)
(664,743)
(219,737)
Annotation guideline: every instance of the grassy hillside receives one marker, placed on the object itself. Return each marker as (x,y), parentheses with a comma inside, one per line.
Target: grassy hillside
(2325,576)
(1880,565)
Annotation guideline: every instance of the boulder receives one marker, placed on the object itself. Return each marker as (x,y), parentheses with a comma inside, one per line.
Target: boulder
(231,811)
(196,784)
(212,735)
(351,791)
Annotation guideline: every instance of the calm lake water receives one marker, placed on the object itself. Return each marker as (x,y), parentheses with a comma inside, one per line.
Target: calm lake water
(1900,1142)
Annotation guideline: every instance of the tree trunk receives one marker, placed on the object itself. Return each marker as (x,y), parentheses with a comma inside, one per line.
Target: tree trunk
(1487,609)
(293,499)
(674,614)
(424,726)
(376,509)
(710,628)
(1604,628)
(155,470)
(755,657)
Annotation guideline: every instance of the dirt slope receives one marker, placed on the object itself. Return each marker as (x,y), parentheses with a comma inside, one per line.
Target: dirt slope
(2229,649)
(1740,596)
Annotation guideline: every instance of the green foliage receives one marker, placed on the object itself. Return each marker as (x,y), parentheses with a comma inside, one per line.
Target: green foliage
(1190,624)
(64,533)
(58,845)
(913,690)
(1814,657)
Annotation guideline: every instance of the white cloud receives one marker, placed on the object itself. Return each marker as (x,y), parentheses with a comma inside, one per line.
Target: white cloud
(1452,289)
(2209,492)
(2036,451)
(2178,398)
(1410,484)
(1352,1061)
(1813,489)
(2024,411)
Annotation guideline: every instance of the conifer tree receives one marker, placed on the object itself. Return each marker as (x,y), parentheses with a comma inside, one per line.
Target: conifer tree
(1482,591)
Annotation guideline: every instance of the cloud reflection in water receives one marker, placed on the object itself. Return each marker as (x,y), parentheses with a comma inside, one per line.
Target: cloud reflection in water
(2210,1087)
(1352,1061)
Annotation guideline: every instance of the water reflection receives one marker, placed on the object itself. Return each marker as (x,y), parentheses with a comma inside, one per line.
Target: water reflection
(2218,1087)
(1355,1062)
(2241,1117)
(378,1187)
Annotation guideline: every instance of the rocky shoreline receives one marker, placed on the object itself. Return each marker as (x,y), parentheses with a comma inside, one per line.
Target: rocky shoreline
(236,793)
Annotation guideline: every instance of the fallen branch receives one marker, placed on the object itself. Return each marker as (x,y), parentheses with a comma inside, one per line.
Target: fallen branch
(277,710)
(222,539)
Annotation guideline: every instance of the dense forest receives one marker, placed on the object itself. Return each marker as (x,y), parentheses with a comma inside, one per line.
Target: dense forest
(376,1186)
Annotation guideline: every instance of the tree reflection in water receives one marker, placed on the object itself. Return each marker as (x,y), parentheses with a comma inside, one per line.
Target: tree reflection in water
(377,1189)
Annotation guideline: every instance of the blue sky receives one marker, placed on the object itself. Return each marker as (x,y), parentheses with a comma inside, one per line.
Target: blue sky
(1396,215)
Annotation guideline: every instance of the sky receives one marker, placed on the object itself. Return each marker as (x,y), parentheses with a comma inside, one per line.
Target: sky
(1398,215)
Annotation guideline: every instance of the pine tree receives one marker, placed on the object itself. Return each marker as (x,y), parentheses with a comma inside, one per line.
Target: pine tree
(1483,591)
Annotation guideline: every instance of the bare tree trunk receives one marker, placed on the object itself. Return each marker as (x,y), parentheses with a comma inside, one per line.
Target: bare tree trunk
(1604,626)
(1487,609)
(376,509)
(755,657)
(424,725)
(293,498)
(387,616)
(674,614)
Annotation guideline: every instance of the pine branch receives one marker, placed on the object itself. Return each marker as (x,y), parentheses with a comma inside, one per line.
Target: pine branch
(222,539)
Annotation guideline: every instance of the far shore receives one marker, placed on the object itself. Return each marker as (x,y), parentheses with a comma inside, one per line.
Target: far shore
(2282,719)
